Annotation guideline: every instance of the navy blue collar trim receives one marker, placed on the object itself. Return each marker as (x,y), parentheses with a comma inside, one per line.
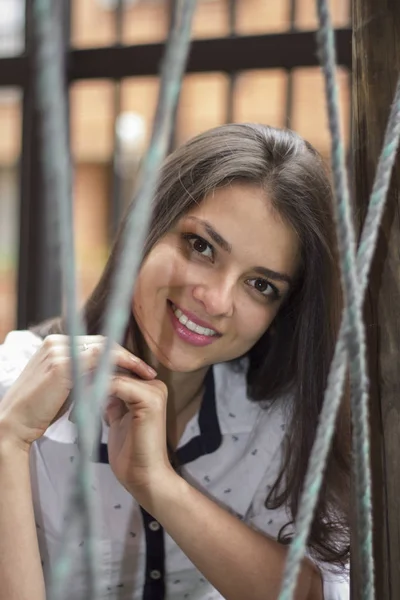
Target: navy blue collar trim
(209,439)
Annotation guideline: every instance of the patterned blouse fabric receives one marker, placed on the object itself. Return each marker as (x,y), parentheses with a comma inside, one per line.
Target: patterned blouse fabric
(231,451)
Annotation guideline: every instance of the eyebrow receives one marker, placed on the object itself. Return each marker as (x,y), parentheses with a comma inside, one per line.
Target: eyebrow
(274,275)
(220,241)
(214,235)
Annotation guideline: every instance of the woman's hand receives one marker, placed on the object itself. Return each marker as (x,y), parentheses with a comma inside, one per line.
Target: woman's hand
(39,395)
(137,444)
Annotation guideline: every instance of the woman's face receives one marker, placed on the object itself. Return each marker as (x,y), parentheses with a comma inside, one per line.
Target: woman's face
(210,288)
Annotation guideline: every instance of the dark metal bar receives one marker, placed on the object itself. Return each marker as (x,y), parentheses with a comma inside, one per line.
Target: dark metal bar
(39,276)
(116,205)
(289,89)
(232,12)
(34,302)
(119,22)
(14,71)
(284,50)
(117,201)
(172,7)
(230,107)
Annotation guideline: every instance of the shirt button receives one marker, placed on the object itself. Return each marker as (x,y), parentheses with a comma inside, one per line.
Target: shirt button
(154,574)
(154,525)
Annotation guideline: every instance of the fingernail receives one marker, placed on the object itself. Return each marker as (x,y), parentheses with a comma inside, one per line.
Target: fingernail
(137,360)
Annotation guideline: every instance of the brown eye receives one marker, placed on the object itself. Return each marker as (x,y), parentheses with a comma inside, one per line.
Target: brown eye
(264,287)
(200,245)
(261,285)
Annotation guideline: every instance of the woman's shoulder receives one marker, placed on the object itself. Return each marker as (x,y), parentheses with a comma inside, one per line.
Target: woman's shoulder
(15,352)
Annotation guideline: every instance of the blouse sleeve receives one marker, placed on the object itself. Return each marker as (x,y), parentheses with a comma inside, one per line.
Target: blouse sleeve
(336,586)
(16,351)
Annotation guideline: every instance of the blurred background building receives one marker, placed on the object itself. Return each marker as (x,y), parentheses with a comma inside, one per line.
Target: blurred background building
(112,103)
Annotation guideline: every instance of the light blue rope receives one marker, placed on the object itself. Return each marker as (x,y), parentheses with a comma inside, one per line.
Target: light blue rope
(118,311)
(138,222)
(355,332)
(322,443)
(51,95)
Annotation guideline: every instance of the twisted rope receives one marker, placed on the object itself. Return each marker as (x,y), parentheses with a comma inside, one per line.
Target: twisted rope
(57,164)
(51,99)
(355,332)
(139,219)
(334,390)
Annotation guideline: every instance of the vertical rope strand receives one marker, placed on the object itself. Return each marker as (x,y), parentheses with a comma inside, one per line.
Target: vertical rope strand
(118,310)
(355,333)
(334,390)
(336,376)
(139,220)
(51,98)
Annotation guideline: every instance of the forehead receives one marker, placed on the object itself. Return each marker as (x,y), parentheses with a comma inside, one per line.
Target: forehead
(243,215)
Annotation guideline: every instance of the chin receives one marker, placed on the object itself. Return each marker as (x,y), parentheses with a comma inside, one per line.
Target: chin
(179,362)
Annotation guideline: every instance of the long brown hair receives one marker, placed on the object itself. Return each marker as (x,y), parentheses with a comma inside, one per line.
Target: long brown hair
(295,353)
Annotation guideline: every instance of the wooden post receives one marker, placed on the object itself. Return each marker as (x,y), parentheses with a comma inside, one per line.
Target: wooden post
(376,67)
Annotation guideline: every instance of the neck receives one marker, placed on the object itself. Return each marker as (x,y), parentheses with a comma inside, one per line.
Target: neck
(183,388)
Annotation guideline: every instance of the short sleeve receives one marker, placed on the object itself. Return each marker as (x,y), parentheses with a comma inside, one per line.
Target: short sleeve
(336,586)
(16,351)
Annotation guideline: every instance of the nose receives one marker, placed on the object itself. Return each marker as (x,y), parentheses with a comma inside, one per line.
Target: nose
(216,296)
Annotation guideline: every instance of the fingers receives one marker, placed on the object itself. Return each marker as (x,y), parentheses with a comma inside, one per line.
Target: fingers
(151,395)
(91,349)
(63,341)
(126,361)
(114,411)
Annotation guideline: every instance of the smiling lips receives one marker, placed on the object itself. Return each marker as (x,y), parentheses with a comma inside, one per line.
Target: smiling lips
(191,331)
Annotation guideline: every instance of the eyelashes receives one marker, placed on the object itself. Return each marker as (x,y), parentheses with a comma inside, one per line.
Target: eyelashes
(262,286)
(199,246)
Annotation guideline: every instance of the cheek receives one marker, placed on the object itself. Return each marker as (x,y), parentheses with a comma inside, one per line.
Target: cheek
(156,271)
(164,268)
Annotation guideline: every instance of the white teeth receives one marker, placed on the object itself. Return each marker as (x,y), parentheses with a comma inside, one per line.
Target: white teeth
(190,325)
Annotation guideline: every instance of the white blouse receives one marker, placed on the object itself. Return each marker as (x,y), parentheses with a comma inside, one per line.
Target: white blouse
(231,451)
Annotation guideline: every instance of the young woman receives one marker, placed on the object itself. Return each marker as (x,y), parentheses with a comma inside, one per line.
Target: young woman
(206,437)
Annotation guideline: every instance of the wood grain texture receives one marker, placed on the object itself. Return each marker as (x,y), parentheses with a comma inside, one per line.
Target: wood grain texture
(376,66)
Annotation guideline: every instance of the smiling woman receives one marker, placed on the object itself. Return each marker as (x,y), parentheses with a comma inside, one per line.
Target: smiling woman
(217,392)
(225,266)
